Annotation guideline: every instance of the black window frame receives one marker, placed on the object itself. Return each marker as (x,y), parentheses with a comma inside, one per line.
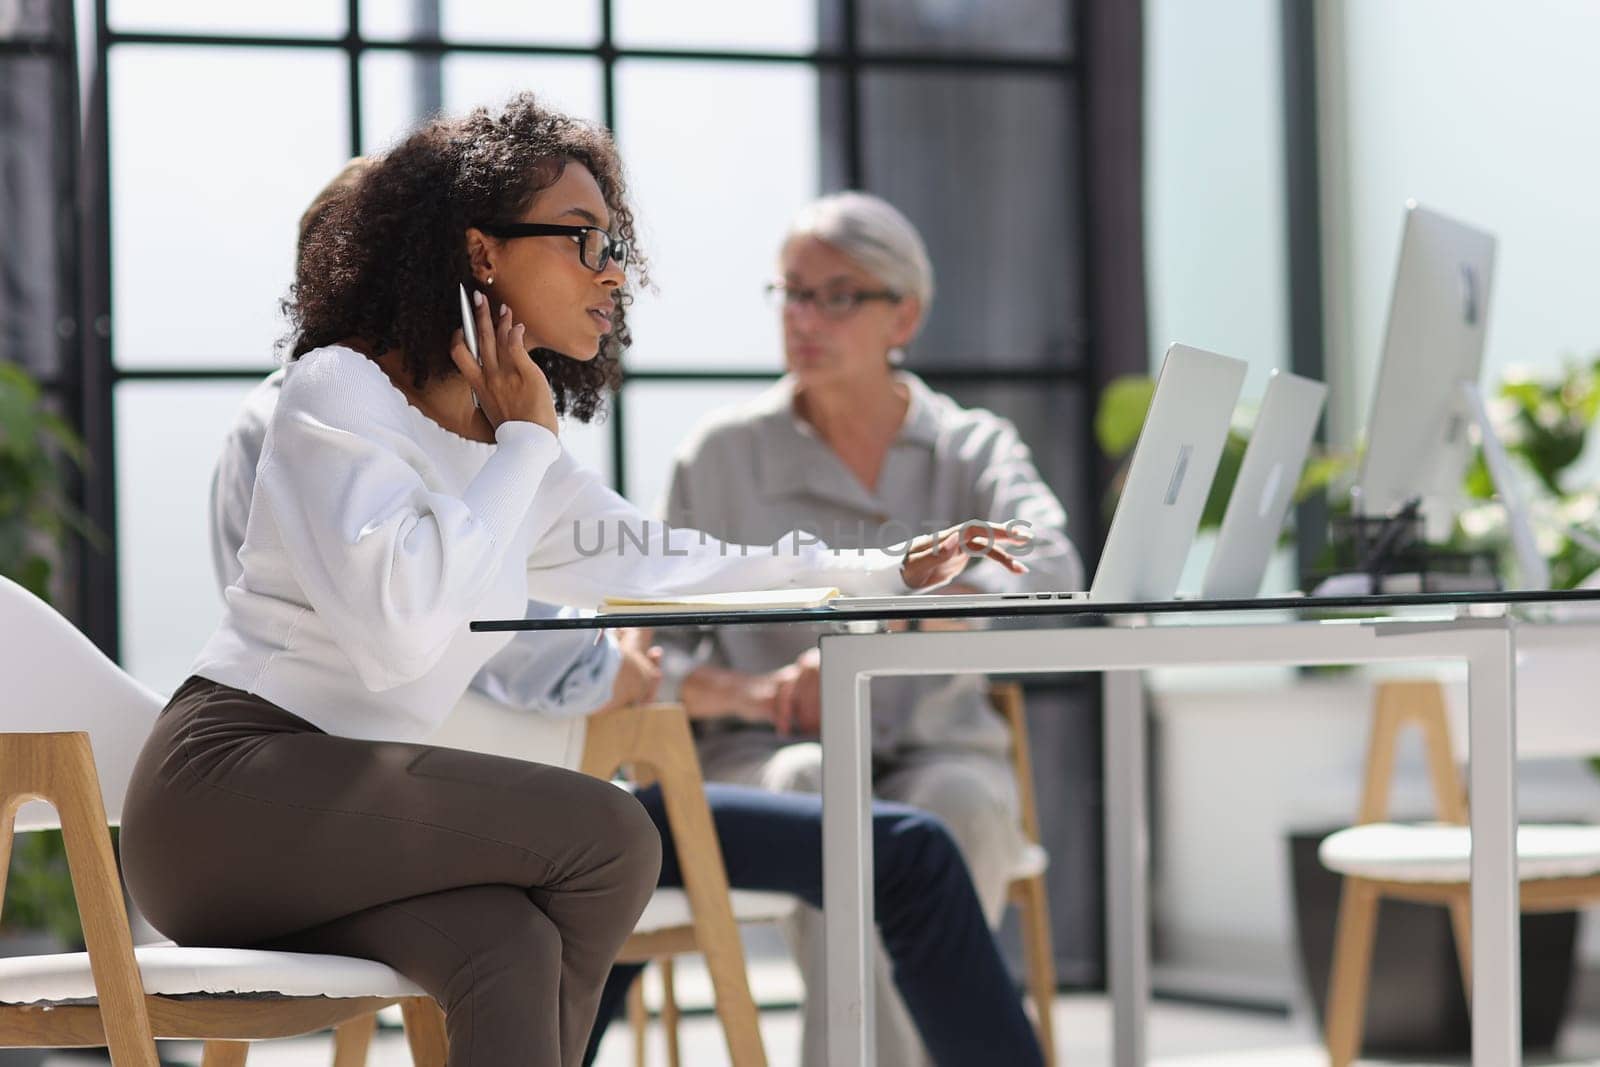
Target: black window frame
(101,375)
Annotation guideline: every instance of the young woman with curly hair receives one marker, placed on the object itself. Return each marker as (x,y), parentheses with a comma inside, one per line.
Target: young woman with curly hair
(404,488)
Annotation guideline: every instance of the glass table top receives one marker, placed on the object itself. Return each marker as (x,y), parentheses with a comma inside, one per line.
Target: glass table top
(1542,603)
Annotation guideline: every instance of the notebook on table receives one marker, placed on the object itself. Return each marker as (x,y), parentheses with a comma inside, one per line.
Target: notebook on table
(749,600)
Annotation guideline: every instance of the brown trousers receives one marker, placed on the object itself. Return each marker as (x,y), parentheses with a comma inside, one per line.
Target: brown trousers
(503,888)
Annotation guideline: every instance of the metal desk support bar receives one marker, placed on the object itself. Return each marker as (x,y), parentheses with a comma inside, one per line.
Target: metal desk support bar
(1127,830)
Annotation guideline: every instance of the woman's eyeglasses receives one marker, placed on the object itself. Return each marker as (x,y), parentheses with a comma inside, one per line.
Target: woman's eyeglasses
(596,247)
(832,303)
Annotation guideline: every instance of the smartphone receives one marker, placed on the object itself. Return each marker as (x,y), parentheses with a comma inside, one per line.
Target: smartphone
(469,327)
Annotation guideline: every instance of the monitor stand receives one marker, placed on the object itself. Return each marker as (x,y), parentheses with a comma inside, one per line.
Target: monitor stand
(1532,570)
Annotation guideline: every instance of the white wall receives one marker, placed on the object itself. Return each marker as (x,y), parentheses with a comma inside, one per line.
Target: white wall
(1214,198)
(1486,110)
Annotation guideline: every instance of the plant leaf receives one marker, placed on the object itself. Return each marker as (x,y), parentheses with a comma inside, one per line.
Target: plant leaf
(1123,406)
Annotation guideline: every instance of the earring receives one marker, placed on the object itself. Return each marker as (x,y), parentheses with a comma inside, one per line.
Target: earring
(897,356)
(489,280)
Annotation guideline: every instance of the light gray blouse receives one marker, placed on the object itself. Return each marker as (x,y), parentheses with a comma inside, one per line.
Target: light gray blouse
(752,472)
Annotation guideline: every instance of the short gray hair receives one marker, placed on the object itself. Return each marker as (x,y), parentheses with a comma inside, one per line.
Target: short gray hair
(876,235)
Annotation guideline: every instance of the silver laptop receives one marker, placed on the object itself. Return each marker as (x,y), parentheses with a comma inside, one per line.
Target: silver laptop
(1265,487)
(1159,510)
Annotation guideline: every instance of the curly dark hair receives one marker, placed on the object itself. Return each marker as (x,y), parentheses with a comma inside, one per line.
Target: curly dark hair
(382,264)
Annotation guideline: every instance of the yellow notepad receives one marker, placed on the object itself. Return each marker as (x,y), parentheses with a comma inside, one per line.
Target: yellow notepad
(753,600)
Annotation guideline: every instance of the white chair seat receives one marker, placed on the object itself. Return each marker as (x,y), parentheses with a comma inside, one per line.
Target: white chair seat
(1391,852)
(171,971)
(1032,862)
(669,909)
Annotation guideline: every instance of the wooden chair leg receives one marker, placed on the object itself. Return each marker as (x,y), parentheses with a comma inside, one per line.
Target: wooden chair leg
(638,1020)
(352,1040)
(736,1008)
(425,1033)
(1352,962)
(662,744)
(669,1012)
(1039,955)
(59,768)
(224,1053)
(1461,921)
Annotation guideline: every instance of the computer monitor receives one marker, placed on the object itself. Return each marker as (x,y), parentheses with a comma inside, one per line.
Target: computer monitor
(1418,440)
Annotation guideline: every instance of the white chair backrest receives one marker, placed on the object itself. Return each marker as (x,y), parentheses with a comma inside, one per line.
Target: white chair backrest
(52,679)
(479,724)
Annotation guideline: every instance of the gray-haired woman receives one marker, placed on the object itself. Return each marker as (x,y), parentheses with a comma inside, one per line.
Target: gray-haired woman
(852,448)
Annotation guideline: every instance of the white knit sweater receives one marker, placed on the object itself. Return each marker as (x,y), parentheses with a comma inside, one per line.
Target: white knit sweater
(375,535)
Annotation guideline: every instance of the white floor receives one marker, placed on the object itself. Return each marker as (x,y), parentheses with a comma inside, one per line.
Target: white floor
(1180,1036)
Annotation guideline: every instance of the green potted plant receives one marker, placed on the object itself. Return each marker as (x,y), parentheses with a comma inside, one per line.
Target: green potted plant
(36,518)
(1544,423)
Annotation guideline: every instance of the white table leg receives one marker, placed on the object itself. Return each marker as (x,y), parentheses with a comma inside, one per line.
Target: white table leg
(1496,923)
(1127,865)
(847,856)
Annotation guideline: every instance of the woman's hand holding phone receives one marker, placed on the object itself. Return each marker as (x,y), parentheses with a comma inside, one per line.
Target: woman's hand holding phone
(507,382)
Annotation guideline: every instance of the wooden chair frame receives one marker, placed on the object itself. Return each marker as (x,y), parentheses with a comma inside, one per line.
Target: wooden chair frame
(1399,704)
(1030,894)
(58,768)
(655,744)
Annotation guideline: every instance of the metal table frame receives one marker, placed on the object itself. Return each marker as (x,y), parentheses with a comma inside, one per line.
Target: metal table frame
(851,660)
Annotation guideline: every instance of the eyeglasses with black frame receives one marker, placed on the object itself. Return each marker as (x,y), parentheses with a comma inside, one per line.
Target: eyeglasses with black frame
(596,247)
(832,303)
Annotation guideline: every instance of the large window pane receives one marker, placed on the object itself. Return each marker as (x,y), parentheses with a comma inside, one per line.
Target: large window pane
(660,416)
(1033,28)
(546,22)
(712,25)
(313,18)
(398,90)
(720,157)
(167,441)
(997,203)
(214,155)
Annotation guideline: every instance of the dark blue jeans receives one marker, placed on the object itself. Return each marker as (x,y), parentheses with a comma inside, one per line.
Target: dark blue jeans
(945,961)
